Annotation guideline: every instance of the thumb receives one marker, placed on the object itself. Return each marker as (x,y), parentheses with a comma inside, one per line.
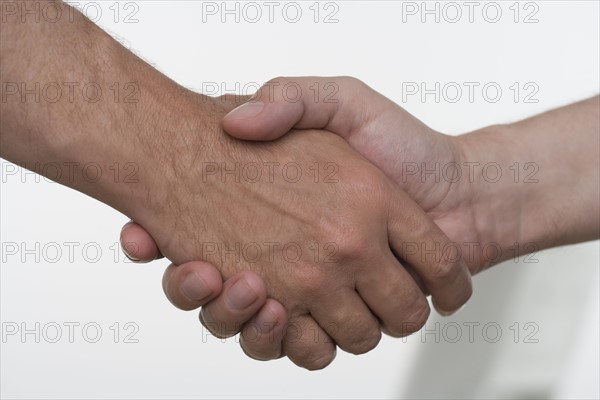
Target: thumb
(282,104)
(266,116)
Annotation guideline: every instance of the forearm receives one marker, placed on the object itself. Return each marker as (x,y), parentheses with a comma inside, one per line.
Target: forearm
(548,194)
(74,98)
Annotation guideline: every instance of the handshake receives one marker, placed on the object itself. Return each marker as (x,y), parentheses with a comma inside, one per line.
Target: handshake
(305,224)
(330,226)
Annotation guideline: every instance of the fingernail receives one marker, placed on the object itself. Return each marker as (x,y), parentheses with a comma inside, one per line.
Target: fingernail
(132,258)
(240,296)
(445,313)
(246,111)
(194,287)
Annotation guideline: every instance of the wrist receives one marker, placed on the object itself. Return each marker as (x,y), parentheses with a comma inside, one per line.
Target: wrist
(506,193)
(177,136)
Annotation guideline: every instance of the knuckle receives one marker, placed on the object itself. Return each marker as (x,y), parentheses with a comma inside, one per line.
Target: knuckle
(413,323)
(371,187)
(352,82)
(366,343)
(257,351)
(342,238)
(271,90)
(467,293)
(443,268)
(278,80)
(349,240)
(311,279)
(417,319)
(353,246)
(318,361)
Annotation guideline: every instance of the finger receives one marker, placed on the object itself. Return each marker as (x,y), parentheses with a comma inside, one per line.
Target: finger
(307,345)
(243,295)
(262,336)
(345,317)
(393,295)
(339,104)
(192,284)
(414,237)
(137,244)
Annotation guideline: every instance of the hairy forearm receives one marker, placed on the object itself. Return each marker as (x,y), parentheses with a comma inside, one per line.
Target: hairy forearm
(81,109)
(549,193)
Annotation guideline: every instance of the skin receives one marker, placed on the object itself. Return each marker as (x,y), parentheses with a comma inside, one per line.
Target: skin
(194,209)
(516,214)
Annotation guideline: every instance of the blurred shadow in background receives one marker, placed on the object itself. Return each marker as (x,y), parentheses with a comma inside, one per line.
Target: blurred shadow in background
(530,331)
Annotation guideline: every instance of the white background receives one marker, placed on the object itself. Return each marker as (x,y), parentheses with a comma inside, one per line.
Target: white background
(377,43)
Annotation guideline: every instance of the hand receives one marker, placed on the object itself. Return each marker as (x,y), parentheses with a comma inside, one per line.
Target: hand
(514,202)
(199,284)
(341,279)
(487,189)
(399,144)
(417,158)
(387,135)
(160,133)
(281,120)
(362,215)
